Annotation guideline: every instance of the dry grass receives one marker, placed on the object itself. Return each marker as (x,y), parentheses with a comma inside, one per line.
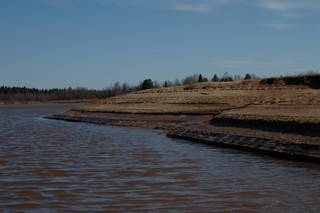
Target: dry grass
(252,98)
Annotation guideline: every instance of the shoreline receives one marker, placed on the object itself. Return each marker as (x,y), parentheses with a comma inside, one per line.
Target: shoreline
(199,129)
(84,101)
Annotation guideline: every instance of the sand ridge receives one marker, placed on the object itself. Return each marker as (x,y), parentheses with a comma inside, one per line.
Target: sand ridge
(232,99)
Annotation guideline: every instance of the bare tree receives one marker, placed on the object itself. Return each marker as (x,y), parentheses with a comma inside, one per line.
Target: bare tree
(190,79)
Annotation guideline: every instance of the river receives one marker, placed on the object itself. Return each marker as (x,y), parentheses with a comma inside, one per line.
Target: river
(57,166)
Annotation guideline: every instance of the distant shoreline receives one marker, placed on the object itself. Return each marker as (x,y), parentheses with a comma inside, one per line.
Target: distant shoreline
(46,102)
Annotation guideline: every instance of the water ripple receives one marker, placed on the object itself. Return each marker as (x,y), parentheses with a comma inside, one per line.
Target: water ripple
(48,165)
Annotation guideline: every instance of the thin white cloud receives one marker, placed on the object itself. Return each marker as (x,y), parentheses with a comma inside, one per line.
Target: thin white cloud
(289,8)
(59,3)
(194,7)
(282,26)
(232,63)
(286,8)
(275,5)
(292,15)
(307,70)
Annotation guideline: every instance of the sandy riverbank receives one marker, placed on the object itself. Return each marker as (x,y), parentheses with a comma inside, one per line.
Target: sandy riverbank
(284,113)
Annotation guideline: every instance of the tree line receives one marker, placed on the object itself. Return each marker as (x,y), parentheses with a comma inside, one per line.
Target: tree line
(196,78)
(34,94)
(78,93)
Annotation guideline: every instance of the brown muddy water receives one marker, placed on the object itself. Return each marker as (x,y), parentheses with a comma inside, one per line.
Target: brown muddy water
(56,166)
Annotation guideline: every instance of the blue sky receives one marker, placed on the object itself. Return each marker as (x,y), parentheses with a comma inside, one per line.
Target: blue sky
(94,43)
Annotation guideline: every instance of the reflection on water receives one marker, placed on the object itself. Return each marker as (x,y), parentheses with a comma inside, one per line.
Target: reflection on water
(48,165)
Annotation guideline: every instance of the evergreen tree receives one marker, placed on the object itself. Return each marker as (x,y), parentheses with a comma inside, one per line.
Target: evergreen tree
(248,77)
(147,84)
(215,78)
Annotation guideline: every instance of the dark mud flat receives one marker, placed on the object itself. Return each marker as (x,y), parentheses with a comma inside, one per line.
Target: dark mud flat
(276,148)
(287,127)
(89,119)
(300,151)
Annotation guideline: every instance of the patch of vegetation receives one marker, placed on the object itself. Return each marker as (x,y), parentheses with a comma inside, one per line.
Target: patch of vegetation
(312,80)
(147,84)
(295,80)
(268,81)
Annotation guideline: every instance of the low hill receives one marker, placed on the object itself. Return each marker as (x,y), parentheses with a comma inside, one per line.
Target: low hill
(288,98)
(273,116)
